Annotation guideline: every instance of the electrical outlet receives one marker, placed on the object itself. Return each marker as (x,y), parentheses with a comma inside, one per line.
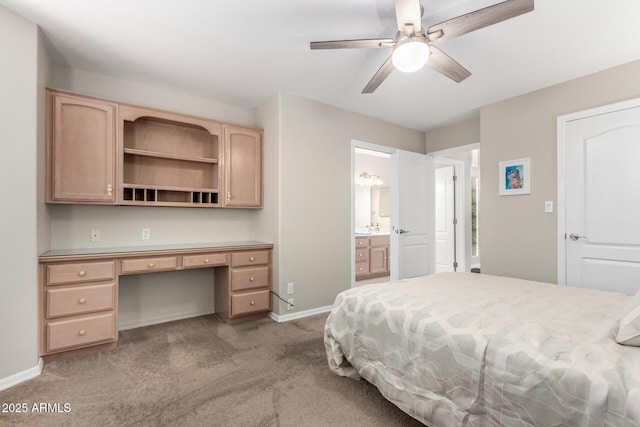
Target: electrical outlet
(95,235)
(290,305)
(290,288)
(146,234)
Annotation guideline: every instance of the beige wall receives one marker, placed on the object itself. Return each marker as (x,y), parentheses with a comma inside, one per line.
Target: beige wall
(456,135)
(20,75)
(267,220)
(517,237)
(315,193)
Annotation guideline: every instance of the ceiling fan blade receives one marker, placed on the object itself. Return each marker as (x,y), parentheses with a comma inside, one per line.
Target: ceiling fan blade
(479,19)
(408,12)
(349,44)
(444,64)
(382,73)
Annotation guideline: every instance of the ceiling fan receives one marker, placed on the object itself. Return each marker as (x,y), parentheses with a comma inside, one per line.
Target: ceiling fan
(413,46)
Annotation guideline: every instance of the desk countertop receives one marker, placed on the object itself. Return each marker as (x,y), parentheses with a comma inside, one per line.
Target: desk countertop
(56,253)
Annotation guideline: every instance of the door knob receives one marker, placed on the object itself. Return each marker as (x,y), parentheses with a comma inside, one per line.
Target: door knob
(574,236)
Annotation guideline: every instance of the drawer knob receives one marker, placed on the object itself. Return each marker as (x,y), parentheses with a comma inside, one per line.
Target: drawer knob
(82,332)
(361,254)
(251,279)
(151,265)
(82,273)
(82,300)
(252,259)
(206,260)
(252,303)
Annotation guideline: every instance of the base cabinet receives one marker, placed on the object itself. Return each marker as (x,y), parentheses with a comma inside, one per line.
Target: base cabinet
(79,293)
(372,256)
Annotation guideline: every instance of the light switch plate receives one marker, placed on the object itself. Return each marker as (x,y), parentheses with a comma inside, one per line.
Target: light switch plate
(548,206)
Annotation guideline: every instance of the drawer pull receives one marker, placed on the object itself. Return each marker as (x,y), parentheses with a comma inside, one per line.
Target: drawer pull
(251,279)
(82,332)
(151,265)
(252,302)
(252,259)
(82,273)
(206,260)
(82,300)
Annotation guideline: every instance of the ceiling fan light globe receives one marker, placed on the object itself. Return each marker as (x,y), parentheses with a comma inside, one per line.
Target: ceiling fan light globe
(410,56)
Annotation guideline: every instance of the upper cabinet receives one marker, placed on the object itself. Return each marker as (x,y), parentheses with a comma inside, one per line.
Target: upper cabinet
(242,166)
(148,157)
(81,143)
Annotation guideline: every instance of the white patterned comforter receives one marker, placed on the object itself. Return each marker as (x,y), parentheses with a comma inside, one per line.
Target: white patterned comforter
(458,349)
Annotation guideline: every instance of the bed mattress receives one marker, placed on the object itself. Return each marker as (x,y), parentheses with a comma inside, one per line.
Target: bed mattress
(462,349)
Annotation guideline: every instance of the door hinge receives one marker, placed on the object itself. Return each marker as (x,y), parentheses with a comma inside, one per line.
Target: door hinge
(455,264)
(455,221)
(455,178)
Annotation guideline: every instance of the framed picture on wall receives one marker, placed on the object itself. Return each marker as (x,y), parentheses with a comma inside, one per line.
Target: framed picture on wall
(514,177)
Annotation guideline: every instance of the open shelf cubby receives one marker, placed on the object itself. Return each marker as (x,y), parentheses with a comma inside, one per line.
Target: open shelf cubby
(168,162)
(136,194)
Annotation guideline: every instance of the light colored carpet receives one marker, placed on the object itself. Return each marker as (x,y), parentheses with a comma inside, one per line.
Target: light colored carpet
(202,372)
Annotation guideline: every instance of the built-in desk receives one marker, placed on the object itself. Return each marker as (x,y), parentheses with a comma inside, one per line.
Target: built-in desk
(79,287)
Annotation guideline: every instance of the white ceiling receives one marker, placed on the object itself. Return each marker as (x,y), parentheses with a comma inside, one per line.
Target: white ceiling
(242,52)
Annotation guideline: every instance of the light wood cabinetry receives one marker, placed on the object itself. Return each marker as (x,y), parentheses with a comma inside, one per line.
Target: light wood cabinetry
(362,257)
(372,256)
(79,292)
(104,152)
(242,166)
(168,159)
(250,285)
(81,143)
(79,305)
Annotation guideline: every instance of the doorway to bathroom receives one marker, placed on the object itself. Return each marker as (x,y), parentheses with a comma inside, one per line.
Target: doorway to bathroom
(372,215)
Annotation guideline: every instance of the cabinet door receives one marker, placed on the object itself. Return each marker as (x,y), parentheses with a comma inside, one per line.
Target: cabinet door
(378,260)
(81,150)
(242,167)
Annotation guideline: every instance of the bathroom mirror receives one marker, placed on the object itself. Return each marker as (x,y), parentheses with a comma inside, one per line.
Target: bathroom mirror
(384,203)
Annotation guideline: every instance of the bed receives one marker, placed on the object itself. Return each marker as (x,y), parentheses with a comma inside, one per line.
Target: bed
(463,349)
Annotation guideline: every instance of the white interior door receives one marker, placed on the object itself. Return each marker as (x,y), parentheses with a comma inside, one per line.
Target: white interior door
(602,154)
(412,234)
(444,220)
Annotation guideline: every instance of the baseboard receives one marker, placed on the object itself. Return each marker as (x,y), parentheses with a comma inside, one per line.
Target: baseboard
(16,379)
(161,319)
(299,315)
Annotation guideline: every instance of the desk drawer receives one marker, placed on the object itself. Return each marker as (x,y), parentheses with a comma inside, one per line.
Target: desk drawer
(78,332)
(80,272)
(249,278)
(149,265)
(78,300)
(250,302)
(204,260)
(242,259)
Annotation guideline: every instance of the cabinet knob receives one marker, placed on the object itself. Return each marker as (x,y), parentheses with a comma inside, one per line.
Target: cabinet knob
(206,260)
(109,189)
(252,259)
(82,332)
(252,303)
(251,279)
(361,254)
(151,265)
(82,300)
(82,273)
